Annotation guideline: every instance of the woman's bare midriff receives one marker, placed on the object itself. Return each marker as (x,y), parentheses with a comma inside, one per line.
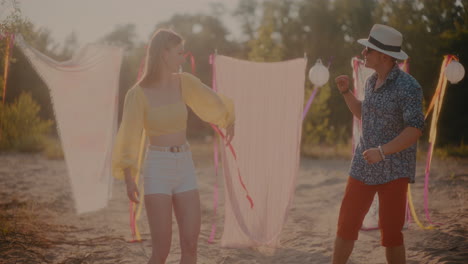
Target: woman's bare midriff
(169,140)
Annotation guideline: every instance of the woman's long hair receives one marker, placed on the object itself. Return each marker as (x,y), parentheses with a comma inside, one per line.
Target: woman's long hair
(162,40)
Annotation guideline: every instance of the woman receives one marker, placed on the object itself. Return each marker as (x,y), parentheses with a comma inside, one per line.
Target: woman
(157,105)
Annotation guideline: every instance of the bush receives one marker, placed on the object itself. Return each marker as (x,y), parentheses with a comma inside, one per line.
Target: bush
(53,149)
(21,128)
(317,128)
(460,151)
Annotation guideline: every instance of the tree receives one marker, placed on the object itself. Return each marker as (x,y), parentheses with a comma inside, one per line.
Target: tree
(203,35)
(125,37)
(22,77)
(443,24)
(10,15)
(309,27)
(329,30)
(247,13)
(70,46)
(122,35)
(267,46)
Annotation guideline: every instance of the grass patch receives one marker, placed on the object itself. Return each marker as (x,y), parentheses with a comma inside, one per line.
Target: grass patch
(21,128)
(28,234)
(444,153)
(460,151)
(344,151)
(22,237)
(52,149)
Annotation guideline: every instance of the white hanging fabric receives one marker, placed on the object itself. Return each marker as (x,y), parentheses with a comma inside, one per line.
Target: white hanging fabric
(84,92)
(269,99)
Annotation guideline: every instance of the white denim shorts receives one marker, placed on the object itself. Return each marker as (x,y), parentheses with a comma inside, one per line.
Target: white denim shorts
(168,172)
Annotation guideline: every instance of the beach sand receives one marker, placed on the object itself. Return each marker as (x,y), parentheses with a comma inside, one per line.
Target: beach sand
(38,223)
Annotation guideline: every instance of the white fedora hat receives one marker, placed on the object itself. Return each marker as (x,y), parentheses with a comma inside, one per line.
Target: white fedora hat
(385,39)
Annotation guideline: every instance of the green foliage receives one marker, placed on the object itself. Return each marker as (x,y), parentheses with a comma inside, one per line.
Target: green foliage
(246,13)
(329,30)
(203,34)
(20,126)
(443,24)
(317,128)
(459,151)
(8,24)
(316,125)
(267,46)
(123,35)
(53,149)
(264,48)
(287,30)
(22,77)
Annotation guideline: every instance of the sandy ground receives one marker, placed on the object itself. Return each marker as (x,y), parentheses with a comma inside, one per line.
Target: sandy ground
(38,224)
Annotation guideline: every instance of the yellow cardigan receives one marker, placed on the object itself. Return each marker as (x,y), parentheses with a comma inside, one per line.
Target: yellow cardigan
(138,115)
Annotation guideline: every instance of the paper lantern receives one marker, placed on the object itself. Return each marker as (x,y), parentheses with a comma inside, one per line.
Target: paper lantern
(454,72)
(319,74)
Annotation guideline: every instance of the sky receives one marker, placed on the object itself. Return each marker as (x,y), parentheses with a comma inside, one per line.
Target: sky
(92,19)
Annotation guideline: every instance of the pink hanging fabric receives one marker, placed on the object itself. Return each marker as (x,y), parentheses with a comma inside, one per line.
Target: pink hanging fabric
(84,92)
(269,100)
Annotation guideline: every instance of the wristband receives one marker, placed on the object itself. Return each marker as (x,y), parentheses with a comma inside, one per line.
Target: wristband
(381,153)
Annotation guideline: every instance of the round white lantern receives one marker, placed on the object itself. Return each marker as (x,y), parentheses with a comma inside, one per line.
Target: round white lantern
(454,72)
(319,74)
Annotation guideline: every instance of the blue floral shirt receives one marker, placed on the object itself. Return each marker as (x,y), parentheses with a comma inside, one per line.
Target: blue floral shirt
(395,105)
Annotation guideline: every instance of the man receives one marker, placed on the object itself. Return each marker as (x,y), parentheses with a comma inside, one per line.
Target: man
(385,158)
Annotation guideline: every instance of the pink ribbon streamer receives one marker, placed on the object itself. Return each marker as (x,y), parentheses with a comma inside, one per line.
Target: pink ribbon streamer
(216,162)
(429,159)
(132,221)
(233,152)
(309,103)
(215,192)
(9,50)
(405,67)
(192,60)
(426,186)
(408,212)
